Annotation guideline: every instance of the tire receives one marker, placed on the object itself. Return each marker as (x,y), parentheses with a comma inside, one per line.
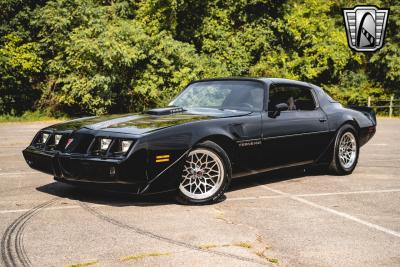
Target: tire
(206,175)
(346,151)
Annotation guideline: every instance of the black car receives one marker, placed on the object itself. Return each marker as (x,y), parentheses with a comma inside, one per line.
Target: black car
(215,130)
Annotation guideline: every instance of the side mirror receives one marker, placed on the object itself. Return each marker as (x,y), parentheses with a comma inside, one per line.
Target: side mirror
(278,109)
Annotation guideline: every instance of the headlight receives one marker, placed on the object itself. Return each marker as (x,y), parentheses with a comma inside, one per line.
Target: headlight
(45,136)
(121,147)
(110,147)
(125,145)
(57,139)
(104,143)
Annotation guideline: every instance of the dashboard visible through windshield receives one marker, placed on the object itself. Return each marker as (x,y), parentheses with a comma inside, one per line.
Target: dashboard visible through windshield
(235,95)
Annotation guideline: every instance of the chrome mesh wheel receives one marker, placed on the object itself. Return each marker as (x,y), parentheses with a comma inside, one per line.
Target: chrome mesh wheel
(347,150)
(203,174)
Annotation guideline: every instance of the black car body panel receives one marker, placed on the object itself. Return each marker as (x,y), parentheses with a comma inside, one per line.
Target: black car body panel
(255,141)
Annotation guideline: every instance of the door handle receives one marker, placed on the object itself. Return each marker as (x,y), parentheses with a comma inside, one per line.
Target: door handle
(322,120)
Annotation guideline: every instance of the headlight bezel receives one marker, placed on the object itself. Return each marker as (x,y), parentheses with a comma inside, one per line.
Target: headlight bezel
(113,147)
(41,139)
(50,140)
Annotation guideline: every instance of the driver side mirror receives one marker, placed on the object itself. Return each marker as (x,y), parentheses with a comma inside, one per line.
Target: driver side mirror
(278,109)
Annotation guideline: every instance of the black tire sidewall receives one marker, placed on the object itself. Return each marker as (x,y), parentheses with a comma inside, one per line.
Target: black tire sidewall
(213,147)
(344,129)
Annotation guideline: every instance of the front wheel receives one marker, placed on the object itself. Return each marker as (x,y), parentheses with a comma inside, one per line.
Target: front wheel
(206,174)
(346,150)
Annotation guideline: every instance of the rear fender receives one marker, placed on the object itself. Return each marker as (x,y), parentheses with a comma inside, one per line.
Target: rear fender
(367,111)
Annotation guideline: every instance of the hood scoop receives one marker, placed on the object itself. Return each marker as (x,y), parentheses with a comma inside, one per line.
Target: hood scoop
(165,111)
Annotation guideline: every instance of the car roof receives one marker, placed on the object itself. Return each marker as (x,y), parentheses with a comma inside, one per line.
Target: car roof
(262,79)
(281,80)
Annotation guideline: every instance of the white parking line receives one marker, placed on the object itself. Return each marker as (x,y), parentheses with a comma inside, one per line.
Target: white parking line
(252,198)
(381,144)
(51,208)
(16,173)
(316,194)
(339,213)
(349,193)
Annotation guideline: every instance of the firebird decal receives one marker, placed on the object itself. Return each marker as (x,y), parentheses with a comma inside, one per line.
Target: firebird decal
(249,142)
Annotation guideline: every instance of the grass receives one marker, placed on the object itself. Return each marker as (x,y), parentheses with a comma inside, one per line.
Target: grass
(240,244)
(208,246)
(140,256)
(271,260)
(243,245)
(30,117)
(89,263)
(379,116)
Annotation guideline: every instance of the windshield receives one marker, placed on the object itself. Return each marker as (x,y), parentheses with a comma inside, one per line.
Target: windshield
(236,95)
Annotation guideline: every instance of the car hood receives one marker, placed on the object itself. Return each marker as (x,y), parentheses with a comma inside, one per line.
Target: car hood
(143,123)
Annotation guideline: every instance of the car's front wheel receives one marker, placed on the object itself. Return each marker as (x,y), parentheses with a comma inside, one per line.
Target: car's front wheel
(346,151)
(206,174)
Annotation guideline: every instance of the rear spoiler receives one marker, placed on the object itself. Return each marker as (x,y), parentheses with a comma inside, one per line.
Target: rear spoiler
(367,111)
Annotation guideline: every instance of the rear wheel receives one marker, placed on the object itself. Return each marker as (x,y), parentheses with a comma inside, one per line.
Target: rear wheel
(346,150)
(206,174)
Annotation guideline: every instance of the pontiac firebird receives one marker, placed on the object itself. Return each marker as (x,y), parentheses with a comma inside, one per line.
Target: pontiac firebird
(213,131)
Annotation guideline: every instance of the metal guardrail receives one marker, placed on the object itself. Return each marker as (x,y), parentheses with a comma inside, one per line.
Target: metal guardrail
(392,104)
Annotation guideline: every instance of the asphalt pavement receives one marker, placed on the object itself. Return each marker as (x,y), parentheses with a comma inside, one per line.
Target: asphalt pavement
(283,218)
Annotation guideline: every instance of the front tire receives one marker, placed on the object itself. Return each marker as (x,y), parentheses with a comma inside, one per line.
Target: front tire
(346,151)
(206,174)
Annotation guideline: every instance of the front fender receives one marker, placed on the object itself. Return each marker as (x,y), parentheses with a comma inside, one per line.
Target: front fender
(175,142)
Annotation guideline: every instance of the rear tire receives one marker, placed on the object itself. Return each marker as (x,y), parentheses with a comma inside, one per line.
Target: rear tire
(346,151)
(206,175)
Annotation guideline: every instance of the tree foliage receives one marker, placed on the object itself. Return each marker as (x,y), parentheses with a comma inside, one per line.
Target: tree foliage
(101,56)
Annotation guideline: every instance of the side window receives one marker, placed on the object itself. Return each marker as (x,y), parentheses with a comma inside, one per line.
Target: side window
(296,97)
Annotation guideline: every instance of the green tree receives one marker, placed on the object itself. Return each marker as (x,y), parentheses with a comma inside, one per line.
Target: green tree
(19,67)
(100,56)
(313,47)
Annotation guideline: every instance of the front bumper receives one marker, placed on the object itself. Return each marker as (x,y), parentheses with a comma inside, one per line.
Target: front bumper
(129,173)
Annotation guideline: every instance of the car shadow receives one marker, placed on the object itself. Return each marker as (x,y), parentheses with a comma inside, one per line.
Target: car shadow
(274,177)
(121,199)
(96,196)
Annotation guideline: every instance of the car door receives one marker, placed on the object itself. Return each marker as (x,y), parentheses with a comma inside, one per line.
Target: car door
(297,135)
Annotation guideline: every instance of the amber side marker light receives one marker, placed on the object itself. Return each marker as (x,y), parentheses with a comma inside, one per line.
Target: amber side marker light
(162,158)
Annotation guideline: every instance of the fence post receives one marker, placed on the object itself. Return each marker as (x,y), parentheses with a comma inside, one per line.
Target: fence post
(369,101)
(391,106)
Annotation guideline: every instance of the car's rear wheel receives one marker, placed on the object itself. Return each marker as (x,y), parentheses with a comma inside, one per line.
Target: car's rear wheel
(206,174)
(346,151)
